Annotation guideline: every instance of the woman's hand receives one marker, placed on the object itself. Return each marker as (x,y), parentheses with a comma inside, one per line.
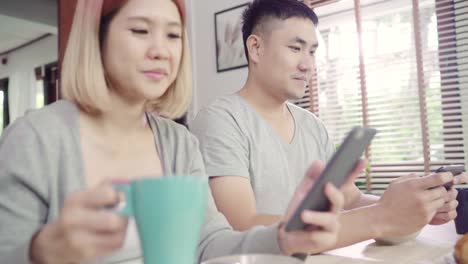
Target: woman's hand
(326,224)
(85,229)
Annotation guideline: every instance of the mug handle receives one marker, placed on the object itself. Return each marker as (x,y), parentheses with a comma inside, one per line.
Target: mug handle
(127,209)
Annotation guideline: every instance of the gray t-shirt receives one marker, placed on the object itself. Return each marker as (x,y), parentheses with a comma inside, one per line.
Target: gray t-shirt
(41,164)
(235,140)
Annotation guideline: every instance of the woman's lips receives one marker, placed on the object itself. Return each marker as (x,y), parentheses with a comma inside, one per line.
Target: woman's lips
(155,75)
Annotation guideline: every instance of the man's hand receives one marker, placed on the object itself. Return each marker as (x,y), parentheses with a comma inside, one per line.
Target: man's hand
(448,211)
(411,202)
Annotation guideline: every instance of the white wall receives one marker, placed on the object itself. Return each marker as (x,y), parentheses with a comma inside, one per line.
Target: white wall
(40,12)
(208,84)
(34,55)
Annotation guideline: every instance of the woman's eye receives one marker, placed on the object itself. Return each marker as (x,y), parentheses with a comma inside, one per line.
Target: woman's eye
(174,36)
(139,31)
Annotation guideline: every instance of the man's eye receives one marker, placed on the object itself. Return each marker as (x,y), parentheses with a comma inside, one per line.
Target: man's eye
(294,48)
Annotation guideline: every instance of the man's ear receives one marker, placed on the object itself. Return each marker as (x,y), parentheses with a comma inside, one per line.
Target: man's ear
(254,47)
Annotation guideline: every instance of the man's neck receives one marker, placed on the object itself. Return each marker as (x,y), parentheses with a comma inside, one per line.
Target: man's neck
(271,108)
(269,105)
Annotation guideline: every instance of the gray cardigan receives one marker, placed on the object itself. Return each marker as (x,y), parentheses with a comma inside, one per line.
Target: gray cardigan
(41,163)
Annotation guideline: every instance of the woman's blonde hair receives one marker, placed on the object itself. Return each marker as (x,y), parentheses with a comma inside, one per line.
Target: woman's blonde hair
(83,78)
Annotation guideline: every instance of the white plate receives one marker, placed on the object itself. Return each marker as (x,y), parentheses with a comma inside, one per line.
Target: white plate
(254,259)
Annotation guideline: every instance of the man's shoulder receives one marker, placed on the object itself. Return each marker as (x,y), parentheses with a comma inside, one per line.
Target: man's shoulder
(308,120)
(223,105)
(303,114)
(226,109)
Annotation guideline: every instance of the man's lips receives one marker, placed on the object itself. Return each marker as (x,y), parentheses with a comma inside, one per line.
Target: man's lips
(300,78)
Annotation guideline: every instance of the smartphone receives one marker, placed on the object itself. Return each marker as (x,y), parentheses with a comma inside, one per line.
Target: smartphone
(336,171)
(454,169)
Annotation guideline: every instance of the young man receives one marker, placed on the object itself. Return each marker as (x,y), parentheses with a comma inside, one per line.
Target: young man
(257,146)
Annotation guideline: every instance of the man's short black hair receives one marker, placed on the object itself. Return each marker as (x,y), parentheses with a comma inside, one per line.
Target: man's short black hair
(261,11)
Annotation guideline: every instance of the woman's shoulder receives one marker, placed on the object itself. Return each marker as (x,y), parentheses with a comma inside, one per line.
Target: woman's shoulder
(171,131)
(47,123)
(56,115)
(177,145)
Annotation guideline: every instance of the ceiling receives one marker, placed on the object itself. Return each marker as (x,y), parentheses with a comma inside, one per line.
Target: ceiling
(22,21)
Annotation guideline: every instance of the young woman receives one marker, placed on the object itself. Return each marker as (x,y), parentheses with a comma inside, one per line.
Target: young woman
(124,60)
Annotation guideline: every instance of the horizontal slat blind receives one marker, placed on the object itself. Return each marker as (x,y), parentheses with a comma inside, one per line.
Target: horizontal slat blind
(444,71)
(310,98)
(339,93)
(415,75)
(461,29)
(394,104)
(318,3)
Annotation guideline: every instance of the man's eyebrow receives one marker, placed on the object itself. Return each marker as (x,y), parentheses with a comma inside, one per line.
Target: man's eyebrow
(299,40)
(302,42)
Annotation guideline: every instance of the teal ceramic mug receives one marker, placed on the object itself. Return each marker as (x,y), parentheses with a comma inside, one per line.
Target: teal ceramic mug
(169,213)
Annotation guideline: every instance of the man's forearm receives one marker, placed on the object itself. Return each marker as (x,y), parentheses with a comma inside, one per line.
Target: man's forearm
(357,225)
(258,219)
(361,224)
(354,198)
(363,200)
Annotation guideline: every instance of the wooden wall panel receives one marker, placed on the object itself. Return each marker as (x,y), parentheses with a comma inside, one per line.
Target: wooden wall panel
(66,12)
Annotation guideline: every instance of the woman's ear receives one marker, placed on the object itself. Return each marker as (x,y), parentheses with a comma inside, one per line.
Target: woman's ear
(254,45)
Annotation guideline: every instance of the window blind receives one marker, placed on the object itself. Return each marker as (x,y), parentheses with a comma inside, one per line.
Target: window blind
(399,66)
(317,3)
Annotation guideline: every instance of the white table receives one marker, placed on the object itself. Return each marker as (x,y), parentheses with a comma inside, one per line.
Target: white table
(433,245)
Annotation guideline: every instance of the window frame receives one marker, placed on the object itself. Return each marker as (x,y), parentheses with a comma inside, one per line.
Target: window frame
(6,112)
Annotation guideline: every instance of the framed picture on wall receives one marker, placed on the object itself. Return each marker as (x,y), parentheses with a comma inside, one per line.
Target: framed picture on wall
(228,34)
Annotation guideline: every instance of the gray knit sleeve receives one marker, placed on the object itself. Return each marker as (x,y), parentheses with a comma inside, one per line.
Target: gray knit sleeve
(23,190)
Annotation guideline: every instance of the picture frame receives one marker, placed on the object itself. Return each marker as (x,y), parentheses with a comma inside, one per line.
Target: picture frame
(230,52)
